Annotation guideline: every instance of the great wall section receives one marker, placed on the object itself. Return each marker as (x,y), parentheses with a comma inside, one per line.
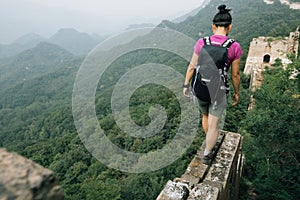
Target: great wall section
(21,178)
(221,180)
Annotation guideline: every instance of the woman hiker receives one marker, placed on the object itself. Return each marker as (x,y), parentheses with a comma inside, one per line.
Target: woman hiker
(211,115)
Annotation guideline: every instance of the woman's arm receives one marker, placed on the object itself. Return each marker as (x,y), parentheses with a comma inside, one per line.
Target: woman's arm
(189,73)
(235,76)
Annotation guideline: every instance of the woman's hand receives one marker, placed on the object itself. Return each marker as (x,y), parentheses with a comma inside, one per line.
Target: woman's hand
(186,92)
(235,99)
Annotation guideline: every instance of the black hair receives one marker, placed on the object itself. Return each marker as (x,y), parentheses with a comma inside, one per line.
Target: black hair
(223,17)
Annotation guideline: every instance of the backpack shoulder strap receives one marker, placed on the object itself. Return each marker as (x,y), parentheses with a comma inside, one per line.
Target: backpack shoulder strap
(228,43)
(206,40)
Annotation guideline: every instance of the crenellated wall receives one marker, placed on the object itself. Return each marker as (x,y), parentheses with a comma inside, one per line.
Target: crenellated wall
(219,181)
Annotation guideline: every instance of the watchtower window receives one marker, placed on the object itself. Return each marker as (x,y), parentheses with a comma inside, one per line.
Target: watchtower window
(266,59)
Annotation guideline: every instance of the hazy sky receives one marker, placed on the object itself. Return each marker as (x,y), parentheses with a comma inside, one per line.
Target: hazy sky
(45,17)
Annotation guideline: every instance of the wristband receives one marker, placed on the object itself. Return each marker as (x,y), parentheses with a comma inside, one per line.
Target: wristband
(186,86)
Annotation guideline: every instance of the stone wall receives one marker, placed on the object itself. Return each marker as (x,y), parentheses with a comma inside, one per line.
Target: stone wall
(264,51)
(219,181)
(262,46)
(291,4)
(22,179)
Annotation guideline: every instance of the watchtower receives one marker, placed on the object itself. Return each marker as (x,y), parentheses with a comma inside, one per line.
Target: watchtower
(264,51)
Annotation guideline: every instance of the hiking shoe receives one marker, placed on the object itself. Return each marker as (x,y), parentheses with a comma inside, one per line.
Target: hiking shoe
(207,159)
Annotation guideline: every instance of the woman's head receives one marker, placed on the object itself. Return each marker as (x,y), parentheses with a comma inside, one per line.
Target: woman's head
(223,17)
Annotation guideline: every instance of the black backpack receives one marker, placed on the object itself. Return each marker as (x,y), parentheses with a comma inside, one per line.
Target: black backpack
(210,80)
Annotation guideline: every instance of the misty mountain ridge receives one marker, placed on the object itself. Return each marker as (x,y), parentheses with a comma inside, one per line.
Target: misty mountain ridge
(68,38)
(29,39)
(85,42)
(191,13)
(74,41)
(23,43)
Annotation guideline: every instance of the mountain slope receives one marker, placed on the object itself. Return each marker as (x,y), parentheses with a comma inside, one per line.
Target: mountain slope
(250,19)
(40,60)
(23,43)
(74,41)
(55,84)
(30,39)
(67,38)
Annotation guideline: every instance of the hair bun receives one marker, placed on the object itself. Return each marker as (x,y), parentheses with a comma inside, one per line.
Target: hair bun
(223,10)
(222,7)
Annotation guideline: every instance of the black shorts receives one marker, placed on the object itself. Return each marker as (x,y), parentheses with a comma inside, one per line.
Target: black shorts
(215,110)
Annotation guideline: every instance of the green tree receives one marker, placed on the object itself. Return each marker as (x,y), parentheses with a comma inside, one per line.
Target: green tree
(99,189)
(271,131)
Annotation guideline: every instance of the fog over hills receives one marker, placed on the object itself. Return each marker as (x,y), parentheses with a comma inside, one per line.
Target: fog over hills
(191,13)
(67,38)
(29,39)
(19,17)
(64,37)
(84,42)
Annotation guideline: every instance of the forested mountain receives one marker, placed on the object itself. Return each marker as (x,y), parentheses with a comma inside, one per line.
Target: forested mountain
(23,43)
(32,63)
(36,113)
(250,19)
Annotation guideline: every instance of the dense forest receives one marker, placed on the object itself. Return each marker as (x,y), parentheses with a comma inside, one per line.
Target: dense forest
(36,113)
(271,132)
